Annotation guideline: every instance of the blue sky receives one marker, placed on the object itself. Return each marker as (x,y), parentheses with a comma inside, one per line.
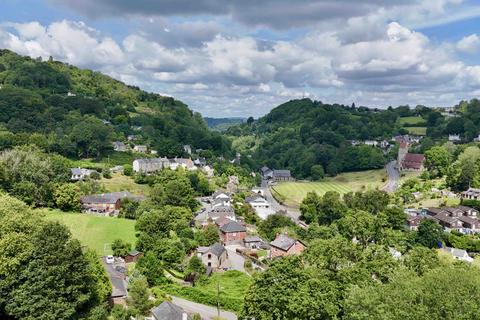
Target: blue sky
(242,58)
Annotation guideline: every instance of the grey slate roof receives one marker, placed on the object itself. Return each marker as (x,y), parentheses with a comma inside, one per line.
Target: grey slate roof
(232,226)
(252,239)
(216,249)
(109,197)
(282,173)
(167,311)
(282,241)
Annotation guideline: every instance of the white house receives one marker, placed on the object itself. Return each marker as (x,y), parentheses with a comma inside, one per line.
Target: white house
(80,173)
(257,201)
(221,198)
(454,137)
(459,254)
(140,148)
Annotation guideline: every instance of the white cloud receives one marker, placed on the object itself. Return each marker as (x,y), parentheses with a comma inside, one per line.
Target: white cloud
(469,44)
(240,75)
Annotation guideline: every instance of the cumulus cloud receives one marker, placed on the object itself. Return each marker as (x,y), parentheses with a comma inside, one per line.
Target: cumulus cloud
(241,75)
(469,44)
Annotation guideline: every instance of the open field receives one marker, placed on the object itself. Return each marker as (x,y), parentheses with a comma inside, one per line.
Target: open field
(233,287)
(93,231)
(119,182)
(418,131)
(294,192)
(410,120)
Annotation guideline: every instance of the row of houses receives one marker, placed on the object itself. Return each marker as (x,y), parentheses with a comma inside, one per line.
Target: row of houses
(151,165)
(461,218)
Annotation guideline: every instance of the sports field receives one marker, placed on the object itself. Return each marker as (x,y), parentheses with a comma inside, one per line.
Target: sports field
(294,192)
(95,232)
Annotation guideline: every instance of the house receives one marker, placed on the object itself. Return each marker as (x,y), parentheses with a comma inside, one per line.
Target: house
(106,203)
(266,172)
(222,198)
(257,201)
(212,215)
(461,218)
(152,165)
(414,221)
(253,242)
(409,161)
(214,256)
(140,148)
(119,146)
(454,138)
(459,254)
(132,256)
(283,245)
(282,175)
(168,311)
(187,149)
(260,191)
(231,232)
(185,163)
(117,273)
(80,173)
(471,194)
(372,143)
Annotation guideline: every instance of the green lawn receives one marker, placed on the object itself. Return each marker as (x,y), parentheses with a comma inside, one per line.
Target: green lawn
(418,131)
(119,182)
(294,192)
(233,287)
(410,120)
(93,231)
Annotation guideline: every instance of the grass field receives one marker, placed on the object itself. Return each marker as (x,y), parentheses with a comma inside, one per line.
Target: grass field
(93,231)
(410,120)
(119,182)
(294,192)
(418,131)
(233,287)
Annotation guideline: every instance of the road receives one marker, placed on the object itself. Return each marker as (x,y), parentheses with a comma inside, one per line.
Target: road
(393,177)
(206,312)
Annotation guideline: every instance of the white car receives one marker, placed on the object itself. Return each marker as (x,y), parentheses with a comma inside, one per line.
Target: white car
(109,259)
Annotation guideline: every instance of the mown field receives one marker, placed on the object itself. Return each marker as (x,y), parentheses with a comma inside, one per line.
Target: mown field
(418,131)
(119,182)
(233,287)
(410,120)
(95,232)
(292,193)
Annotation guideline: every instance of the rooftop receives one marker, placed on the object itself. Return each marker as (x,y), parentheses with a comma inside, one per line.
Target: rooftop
(232,226)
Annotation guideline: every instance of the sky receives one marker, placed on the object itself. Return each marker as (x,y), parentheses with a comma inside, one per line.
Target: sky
(229,58)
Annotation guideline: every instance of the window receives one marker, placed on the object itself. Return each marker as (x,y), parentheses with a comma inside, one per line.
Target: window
(209,264)
(209,256)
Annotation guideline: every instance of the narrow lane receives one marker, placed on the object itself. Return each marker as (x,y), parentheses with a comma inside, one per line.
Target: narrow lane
(393,177)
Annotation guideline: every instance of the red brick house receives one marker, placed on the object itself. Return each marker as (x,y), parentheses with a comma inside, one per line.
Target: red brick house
(232,232)
(283,245)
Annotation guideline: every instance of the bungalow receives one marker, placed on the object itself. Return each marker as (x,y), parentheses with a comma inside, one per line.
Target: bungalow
(454,138)
(253,242)
(471,194)
(459,254)
(232,232)
(119,146)
(257,201)
(106,203)
(283,245)
(282,175)
(140,148)
(213,256)
(168,311)
(80,173)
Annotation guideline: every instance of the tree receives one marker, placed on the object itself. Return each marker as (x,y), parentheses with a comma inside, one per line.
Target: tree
(317,172)
(421,260)
(120,248)
(429,234)
(274,223)
(129,208)
(67,197)
(437,161)
(139,295)
(310,207)
(331,207)
(195,269)
(152,268)
(359,225)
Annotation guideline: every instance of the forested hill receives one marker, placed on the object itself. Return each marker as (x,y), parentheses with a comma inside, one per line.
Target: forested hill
(312,138)
(78,113)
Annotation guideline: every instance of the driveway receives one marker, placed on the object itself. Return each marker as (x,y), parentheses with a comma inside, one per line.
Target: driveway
(206,312)
(393,177)
(235,260)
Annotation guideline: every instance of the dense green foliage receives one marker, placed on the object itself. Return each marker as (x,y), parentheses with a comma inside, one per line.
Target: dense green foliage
(43,272)
(34,104)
